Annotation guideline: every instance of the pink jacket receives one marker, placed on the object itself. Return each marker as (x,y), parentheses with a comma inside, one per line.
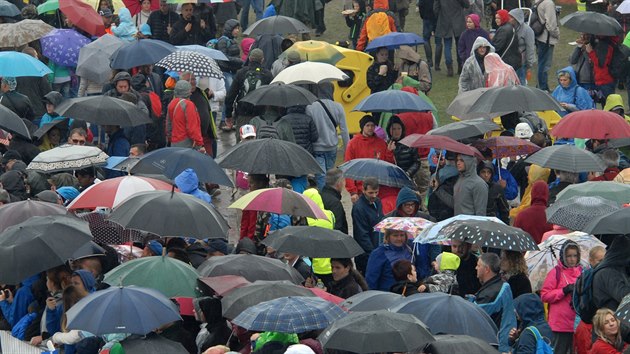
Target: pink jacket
(561,315)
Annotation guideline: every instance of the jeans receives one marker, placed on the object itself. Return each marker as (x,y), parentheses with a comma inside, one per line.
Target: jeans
(229,78)
(545,55)
(326,160)
(258,6)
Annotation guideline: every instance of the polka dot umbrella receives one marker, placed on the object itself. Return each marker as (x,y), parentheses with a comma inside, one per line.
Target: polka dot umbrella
(490,234)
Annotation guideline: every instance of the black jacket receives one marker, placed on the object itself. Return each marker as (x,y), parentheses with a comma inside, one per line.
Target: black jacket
(332,201)
(237,86)
(505,44)
(611,281)
(196,35)
(34,88)
(18,103)
(159,23)
(304,128)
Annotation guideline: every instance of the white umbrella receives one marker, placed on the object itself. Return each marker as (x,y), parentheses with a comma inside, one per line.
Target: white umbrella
(310,73)
(624,7)
(67,158)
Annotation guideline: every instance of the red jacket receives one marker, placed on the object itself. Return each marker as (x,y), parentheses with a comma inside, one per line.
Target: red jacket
(601,347)
(601,73)
(533,219)
(185,121)
(365,147)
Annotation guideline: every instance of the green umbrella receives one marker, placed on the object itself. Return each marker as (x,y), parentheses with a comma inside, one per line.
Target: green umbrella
(170,276)
(614,191)
(48,6)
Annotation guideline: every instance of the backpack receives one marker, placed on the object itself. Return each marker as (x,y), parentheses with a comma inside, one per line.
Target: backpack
(268,131)
(377,25)
(542,347)
(620,64)
(582,299)
(534,22)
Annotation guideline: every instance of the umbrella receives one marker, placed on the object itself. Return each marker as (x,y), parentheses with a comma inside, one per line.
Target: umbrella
(93,62)
(310,72)
(616,222)
(319,51)
(135,6)
(540,263)
(242,298)
(311,241)
(433,234)
(172,161)
(507,146)
(269,156)
(617,192)
(624,8)
(439,142)
(623,311)
(276,25)
(62,46)
(393,101)
(11,122)
(104,110)
(21,33)
(39,243)
(68,158)
(280,95)
(371,300)
(8,9)
(394,40)
(514,98)
(111,193)
(18,212)
(279,201)
(19,64)
(152,344)
(141,52)
(449,314)
(250,267)
(487,233)
(376,332)
(209,52)
(170,276)
(387,173)
(574,213)
(592,124)
(449,343)
(412,226)
(185,60)
(593,23)
(460,106)
(83,16)
(61,124)
(293,314)
(129,309)
(465,129)
(223,284)
(170,214)
(567,158)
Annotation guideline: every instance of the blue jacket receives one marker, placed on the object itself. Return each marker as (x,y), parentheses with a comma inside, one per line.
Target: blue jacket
(188,183)
(531,311)
(575,96)
(364,217)
(379,275)
(23,297)
(511,187)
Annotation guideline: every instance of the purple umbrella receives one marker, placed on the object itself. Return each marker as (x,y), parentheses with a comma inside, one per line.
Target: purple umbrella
(62,46)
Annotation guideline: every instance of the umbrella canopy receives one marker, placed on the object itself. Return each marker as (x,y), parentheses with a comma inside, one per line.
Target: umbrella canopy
(62,46)
(93,62)
(376,332)
(393,101)
(141,52)
(514,98)
(293,314)
(276,25)
(617,192)
(152,344)
(83,16)
(623,311)
(185,60)
(269,156)
(507,146)
(460,106)
(251,267)
(135,7)
(614,223)
(394,40)
(387,173)
(593,23)
(209,52)
(170,214)
(104,110)
(280,95)
(312,241)
(11,122)
(574,213)
(8,9)
(51,240)
(450,343)
(434,233)
(567,158)
(412,226)
(129,309)
(488,233)
(449,314)
(169,276)
(310,72)
(319,51)
(592,124)
(172,161)
(19,64)
(240,299)
(68,158)
(223,284)
(371,300)
(439,142)
(21,33)
(18,212)
(465,129)
(279,201)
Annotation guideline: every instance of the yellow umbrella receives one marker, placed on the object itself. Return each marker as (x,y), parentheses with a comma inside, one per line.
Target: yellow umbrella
(319,51)
(95,4)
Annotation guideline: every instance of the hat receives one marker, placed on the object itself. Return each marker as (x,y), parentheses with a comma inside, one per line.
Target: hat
(217,245)
(363,121)
(523,131)
(256,55)
(155,247)
(53,97)
(11,155)
(182,89)
(145,29)
(47,196)
(293,57)
(247,131)
(407,53)
(106,13)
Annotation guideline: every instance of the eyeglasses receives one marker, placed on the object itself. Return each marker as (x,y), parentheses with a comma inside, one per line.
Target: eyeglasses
(78,142)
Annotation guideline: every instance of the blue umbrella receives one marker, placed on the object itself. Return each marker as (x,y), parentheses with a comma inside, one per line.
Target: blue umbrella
(141,52)
(394,40)
(62,46)
(293,314)
(387,173)
(209,52)
(393,101)
(16,64)
(371,300)
(130,309)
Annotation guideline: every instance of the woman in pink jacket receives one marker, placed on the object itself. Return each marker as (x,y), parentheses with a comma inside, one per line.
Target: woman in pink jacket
(557,291)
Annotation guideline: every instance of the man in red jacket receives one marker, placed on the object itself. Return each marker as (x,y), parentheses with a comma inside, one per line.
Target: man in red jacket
(183,126)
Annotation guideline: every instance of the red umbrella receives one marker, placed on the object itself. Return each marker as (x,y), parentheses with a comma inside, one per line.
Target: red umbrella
(592,124)
(440,142)
(83,16)
(135,6)
(507,146)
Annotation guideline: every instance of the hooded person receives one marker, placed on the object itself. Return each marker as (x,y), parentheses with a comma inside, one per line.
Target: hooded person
(470,194)
(445,281)
(572,97)
(473,71)
(470,35)
(125,30)
(533,220)
(188,183)
(379,22)
(498,73)
(530,311)
(497,204)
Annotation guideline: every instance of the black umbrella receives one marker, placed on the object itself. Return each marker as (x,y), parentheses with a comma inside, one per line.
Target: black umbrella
(449,343)
(276,25)
(11,122)
(376,332)
(151,344)
(615,223)
(567,158)
(488,233)
(141,52)
(513,99)
(371,300)
(18,212)
(269,156)
(465,129)
(39,243)
(104,110)
(170,214)
(62,124)
(280,95)
(250,267)
(311,241)
(592,23)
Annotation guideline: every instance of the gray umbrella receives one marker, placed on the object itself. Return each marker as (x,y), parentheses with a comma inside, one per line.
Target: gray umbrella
(371,300)
(567,158)
(313,242)
(516,98)
(276,25)
(460,106)
(152,344)
(376,332)
(574,213)
(280,95)
(615,223)
(250,267)
(104,110)
(465,129)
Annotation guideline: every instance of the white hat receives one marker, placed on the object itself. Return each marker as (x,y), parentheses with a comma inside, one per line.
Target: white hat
(523,131)
(247,131)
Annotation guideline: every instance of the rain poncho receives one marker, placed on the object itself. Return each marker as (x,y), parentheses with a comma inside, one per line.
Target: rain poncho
(576,97)
(498,73)
(126,30)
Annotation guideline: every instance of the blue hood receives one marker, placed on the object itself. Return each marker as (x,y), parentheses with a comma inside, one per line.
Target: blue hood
(187,181)
(406,195)
(89,283)
(530,309)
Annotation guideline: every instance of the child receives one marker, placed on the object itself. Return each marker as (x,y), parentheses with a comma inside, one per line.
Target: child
(445,280)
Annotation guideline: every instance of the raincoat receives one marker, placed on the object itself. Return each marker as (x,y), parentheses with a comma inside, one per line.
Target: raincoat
(126,30)
(576,97)
(499,74)
(472,76)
